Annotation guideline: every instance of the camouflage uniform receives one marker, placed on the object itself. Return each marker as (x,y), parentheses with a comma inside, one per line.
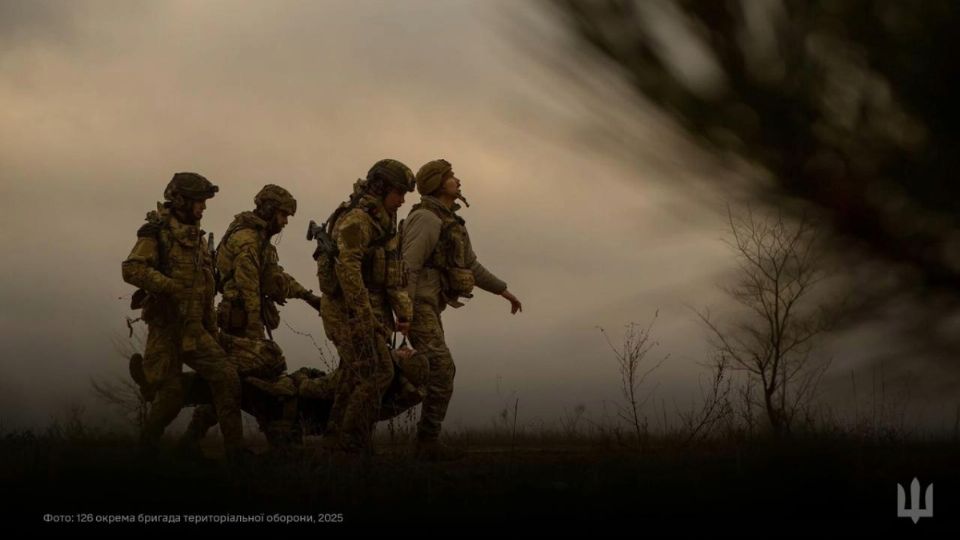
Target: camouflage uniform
(252,282)
(363,288)
(251,276)
(172,266)
(442,267)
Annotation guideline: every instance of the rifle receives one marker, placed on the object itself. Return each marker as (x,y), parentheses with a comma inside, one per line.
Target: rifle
(321,234)
(216,270)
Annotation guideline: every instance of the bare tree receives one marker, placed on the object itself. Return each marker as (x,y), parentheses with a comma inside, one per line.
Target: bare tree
(715,406)
(120,391)
(631,356)
(124,395)
(779,266)
(843,106)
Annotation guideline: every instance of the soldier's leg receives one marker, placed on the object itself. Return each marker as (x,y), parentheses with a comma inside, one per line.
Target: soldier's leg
(164,409)
(204,417)
(374,375)
(210,362)
(335,328)
(352,372)
(161,373)
(383,374)
(426,335)
(348,372)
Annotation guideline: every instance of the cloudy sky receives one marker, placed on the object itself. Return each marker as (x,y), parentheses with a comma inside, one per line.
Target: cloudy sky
(100,102)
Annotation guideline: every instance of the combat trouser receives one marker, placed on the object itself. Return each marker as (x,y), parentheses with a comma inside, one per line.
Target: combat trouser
(426,336)
(365,373)
(210,362)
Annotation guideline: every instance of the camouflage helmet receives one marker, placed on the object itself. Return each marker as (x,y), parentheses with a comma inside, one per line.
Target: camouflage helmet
(392,174)
(188,185)
(277,197)
(431,176)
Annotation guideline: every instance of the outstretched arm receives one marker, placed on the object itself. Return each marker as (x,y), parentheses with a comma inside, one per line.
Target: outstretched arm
(489,282)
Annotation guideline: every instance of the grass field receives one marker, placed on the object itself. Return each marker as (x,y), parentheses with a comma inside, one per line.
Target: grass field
(731,484)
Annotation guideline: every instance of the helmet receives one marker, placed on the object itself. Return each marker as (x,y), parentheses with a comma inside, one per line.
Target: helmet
(188,185)
(276,198)
(431,176)
(393,174)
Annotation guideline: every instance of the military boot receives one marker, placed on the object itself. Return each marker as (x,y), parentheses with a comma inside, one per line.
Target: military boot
(434,450)
(188,446)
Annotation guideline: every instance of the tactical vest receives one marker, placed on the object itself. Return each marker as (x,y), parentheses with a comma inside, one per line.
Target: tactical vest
(450,255)
(382,266)
(232,314)
(183,256)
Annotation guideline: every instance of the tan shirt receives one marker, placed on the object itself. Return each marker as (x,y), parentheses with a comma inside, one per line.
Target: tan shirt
(421,232)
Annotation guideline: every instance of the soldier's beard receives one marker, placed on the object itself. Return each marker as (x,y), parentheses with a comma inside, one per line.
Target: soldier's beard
(274,228)
(187,217)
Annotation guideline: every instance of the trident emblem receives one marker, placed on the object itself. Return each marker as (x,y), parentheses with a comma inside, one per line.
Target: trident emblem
(914,512)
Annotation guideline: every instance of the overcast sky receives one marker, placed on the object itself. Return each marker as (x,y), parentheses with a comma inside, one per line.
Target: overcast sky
(101,102)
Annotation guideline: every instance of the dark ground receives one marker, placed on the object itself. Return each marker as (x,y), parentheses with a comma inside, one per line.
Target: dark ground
(744,488)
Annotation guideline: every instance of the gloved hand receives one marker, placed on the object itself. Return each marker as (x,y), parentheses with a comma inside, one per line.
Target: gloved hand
(405,352)
(313,300)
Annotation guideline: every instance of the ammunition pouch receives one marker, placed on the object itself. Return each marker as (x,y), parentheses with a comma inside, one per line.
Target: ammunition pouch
(460,282)
(383,269)
(138,298)
(232,316)
(449,257)
(157,309)
(396,271)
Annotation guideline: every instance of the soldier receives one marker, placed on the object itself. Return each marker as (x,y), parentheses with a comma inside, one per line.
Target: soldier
(362,285)
(442,269)
(173,269)
(252,282)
